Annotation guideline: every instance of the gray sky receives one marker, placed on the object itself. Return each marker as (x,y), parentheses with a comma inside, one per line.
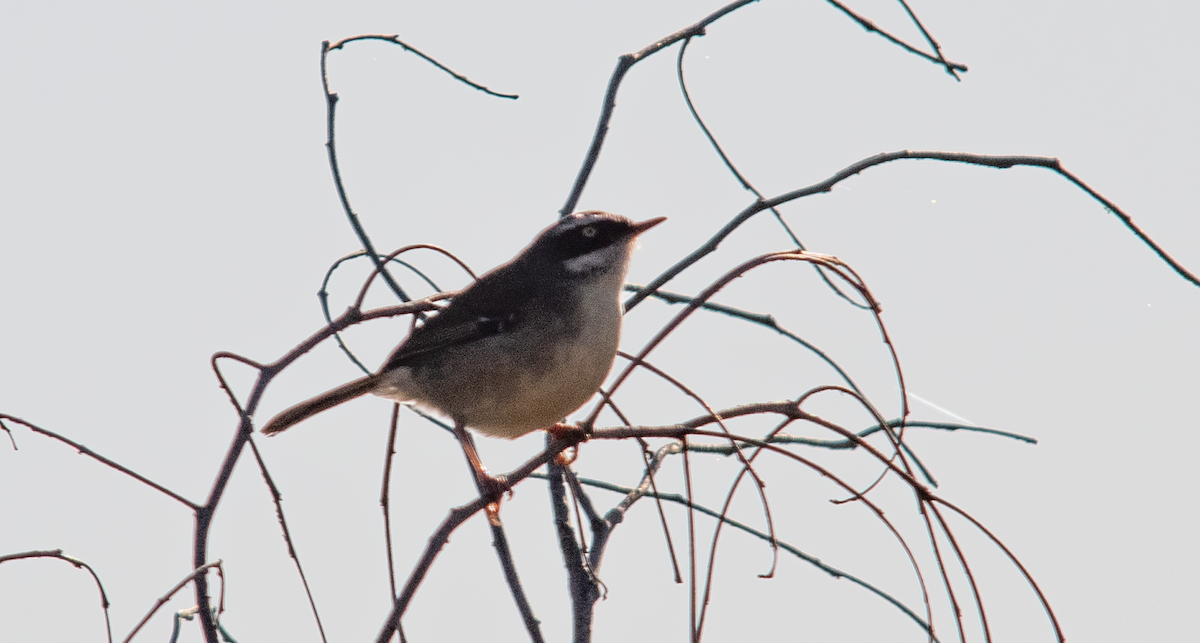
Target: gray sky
(165,195)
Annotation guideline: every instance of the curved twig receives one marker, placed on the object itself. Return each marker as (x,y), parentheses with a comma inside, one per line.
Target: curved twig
(691,428)
(962,561)
(331,99)
(79,564)
(784,438)
(385,495)
(567,439)
(216,367)
(985,160)
(395,39)
(362,293)
(761,319)
(791,549)
(206,512)
(624,63)
(162,600)
(746,185)
(1058,633)
(323,298)
(747,466)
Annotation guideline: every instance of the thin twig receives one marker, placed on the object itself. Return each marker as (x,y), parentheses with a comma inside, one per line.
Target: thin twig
(162,600)
(689,428)
(437,540)
(500,542)
(385,493)
(205,513)
(509,567)
(693,626)
(216,367)
(1058,633)
(395,39)
(331,99)
(933,44)
(955,609)
(568,439)
(624,63)
(746,185)
(614,516)
(99,458)
(8,431)
(79,564)
(785,438)
(712,553)
(747,467)
(985,160)
(761,319)
(832,263)
(323,298)
(277,498)
(962,561)
(795,551)
(951,67)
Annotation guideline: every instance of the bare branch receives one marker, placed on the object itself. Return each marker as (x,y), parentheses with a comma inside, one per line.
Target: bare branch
(999,162)
(437,540)
(99,458)
(162,600)
(1058,633)
(277,498)
(643,490)
(624,63)
(395,39)
(951,67)
(580,583)
(205,513)
(331,99)
(79,564)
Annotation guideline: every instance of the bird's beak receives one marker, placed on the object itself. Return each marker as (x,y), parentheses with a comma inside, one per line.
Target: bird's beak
(643,226)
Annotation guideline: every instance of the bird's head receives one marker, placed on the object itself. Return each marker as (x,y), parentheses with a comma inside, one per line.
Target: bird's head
(589,243)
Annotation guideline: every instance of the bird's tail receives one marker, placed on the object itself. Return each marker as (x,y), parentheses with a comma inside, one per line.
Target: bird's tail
(322,402)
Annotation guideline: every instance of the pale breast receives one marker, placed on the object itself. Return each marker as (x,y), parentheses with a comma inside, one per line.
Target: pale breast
(512,384)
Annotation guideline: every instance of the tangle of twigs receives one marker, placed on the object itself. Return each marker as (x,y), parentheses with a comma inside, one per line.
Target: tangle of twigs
(583,554)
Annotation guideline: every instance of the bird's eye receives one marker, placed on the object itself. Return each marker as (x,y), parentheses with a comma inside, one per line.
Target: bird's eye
(588,232)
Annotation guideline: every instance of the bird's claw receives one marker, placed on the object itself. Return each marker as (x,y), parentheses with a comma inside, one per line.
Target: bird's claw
(493,489)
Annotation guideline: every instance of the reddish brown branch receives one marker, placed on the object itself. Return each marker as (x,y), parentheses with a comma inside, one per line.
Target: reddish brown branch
(205,513)
(437,540)
(1058,633)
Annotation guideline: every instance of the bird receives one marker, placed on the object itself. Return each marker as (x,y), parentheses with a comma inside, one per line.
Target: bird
(519,349)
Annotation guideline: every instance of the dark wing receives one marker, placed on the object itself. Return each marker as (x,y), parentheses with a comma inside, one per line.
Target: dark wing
(490,306)
(438,334)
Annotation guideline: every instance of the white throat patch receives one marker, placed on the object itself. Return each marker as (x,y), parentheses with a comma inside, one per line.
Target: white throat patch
(608,258)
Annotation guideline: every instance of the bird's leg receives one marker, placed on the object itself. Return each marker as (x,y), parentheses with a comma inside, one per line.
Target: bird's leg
(490,488)
(558,432)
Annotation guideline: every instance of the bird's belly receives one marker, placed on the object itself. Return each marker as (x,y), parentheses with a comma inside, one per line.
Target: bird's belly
(516,390)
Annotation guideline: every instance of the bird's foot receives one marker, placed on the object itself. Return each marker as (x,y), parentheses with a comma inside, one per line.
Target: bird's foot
(493,489)
(561,431)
